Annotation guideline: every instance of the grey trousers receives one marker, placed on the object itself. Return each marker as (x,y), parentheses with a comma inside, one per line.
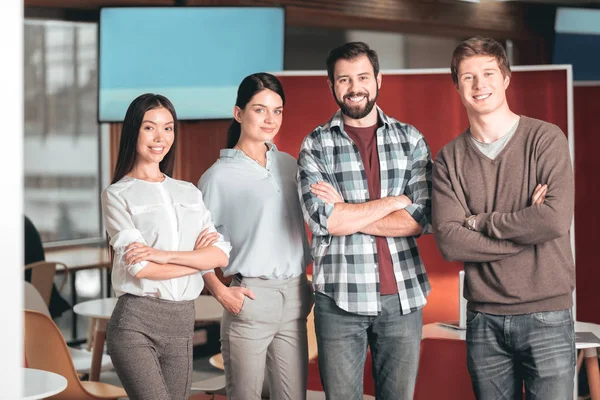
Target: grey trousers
(150,343)
(269,332)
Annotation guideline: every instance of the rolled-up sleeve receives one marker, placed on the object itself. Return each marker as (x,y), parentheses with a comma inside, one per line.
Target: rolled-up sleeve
(418,188)
(121,230)
(312,169)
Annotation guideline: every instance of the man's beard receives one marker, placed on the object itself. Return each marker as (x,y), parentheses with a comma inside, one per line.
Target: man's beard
(357,112)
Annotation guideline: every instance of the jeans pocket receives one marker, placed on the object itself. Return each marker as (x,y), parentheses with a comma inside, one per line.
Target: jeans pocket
(472,316)
(554,318)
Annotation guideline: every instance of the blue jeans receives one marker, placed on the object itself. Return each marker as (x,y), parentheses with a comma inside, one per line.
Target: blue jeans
(342,338)
(505,351)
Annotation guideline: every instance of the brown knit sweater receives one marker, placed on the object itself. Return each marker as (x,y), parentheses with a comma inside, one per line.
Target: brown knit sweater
(519,260)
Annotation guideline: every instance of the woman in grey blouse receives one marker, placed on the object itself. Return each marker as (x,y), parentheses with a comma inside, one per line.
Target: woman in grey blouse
(162,236)
(252,193)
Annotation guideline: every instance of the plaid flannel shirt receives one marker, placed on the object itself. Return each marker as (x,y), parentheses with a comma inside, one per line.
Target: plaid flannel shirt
(345,267)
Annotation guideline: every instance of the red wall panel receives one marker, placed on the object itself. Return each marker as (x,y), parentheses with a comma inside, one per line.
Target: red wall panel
(431,103)
(587,192)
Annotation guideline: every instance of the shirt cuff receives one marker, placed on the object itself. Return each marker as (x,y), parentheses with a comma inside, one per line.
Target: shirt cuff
(125,237)
(328,208)
(224,246)
(135,268)
(416,211)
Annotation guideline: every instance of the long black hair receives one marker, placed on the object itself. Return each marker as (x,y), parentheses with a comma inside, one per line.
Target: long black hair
(251,85)
(131,129)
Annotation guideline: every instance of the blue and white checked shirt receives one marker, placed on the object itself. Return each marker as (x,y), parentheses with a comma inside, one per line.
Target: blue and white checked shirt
(345,267)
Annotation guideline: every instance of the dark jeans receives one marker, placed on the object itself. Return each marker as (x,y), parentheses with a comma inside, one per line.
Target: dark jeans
(505,351)
(342,339)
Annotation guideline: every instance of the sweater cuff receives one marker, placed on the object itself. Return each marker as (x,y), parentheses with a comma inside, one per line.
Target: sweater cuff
(481,222)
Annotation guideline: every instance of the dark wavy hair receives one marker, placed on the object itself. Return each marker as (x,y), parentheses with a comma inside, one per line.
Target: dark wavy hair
(250,86)
(131,129)
(351,51)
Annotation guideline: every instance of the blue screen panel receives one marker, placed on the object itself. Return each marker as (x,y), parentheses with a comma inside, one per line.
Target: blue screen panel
(194,56)
(582,51)
(577,42)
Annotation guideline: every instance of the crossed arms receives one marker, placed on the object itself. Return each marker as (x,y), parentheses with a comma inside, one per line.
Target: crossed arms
(145,262)
(463,236)
(326,212)
(173,264)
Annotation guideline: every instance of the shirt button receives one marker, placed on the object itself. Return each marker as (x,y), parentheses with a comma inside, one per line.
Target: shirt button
(372,240)
(375,266)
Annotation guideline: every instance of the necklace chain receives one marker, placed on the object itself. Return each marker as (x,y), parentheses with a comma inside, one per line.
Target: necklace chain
(248,155)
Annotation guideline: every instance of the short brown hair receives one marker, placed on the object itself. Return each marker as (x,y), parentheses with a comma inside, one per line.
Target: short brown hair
(479,46)
(351,51)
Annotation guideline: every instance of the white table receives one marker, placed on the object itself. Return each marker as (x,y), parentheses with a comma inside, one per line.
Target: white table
(207,309)
(40,384)
(590,350)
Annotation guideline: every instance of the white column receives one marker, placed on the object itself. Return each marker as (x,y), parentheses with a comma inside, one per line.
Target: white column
(390,46)
(11,201)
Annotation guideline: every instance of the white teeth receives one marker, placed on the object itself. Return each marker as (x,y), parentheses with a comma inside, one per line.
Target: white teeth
(157,148)
(356,99)
(483,96)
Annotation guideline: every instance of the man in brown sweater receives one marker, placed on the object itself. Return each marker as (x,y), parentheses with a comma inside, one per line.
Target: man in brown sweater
(503,199)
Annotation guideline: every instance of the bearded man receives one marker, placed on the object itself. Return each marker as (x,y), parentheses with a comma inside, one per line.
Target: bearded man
(365,189)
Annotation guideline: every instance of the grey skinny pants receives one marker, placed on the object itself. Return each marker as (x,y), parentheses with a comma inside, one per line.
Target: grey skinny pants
(150,343)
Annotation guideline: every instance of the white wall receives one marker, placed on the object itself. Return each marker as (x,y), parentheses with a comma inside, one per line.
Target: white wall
(390,47)
(307,48)
(11,234)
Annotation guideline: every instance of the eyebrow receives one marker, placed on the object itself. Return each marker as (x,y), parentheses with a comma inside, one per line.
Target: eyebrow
(485,70)
(348,76)
(262,105)
(154,123)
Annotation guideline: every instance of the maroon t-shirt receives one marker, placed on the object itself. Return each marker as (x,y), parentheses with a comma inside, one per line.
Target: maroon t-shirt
(366,141)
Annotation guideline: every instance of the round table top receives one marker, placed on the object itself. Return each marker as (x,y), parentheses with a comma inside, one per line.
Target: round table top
(38,384)
(587,327)
(436,330)
(207,308)
(217,361)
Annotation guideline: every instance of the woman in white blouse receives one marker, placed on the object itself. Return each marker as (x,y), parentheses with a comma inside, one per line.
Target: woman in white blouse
(162,237)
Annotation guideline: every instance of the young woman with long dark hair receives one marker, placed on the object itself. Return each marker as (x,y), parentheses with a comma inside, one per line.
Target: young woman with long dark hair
(162,237)
(252,193)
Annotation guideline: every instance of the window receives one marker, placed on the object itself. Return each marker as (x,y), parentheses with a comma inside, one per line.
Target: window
(62,144)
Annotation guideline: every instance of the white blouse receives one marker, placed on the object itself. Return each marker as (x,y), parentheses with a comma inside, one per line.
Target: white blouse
(167,215)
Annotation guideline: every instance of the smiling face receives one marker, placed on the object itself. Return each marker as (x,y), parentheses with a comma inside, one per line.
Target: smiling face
(156,136)
(481,85)
(355,87)
(261,118)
